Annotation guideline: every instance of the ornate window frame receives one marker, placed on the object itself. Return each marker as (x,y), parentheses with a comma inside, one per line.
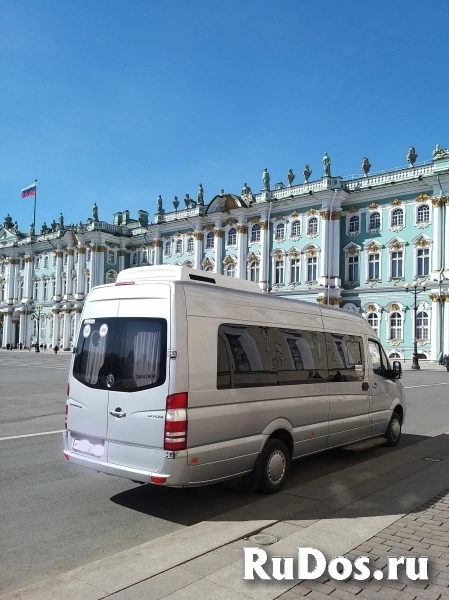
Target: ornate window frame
(230,259)
(230,224)
(373,308)
(391,309)
(252,259)
(397,205)
(208,264)
(396,245)
(111,253)
(372,247)
(312,214)
(295,217)
(252,225)
(419,242)
(278,256)
(352,249)
(354,214)
(278,221)
(374,208)
(423,306)
(208,236)
(418,206)
(311,251)
(190,240)
(111,273)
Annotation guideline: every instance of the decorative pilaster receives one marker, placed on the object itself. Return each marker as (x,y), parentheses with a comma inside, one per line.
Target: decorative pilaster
(58,287)
(446,323)
(446,229)
(7,328)
(218,250)
(242,245)
(264,267)
(99,260)
(55,336)
(435,333)
(198,235)
(66,332)
(326,260)
(121,259)
(22,325)
(15,277)
(157,249)
(78,311)
(28,278)
(69,270)
(335,250)
(79,292)
(10,268)
(436,246)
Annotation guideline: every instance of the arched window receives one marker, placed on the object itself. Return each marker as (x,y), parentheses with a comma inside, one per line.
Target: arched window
(38,262)
(422,325)
(423,214)
(296,228)
(254,269)
(373,321)
(255,233)
(35,289)
(134,259)
(312,226)
(89,255)
(45,291)
(394,355)
(280,231)
(374,221)
(111,257)
(232,236)
(167,250)
(144,257)
(112,277)
(397,217)
(190,244)
(230,270)
(66,258)
(178,246)
(210,240)
(354,224)
(396,326)
(45,261)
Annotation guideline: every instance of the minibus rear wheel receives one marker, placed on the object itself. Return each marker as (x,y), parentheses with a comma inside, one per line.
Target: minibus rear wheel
(274,466)
(393,433)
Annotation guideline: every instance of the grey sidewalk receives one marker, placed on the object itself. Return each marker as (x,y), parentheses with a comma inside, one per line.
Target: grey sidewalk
(393,504)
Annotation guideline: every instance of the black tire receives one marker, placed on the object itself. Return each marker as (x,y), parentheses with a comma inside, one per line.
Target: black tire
(274,467)
(393,433)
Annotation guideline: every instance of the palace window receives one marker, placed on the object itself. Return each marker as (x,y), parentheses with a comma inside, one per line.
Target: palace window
(374,266)
(210,240)
(312,264)
(66,258)
(232,236)
(373,321)
(279,272)
(397,264)
(312,226)
(190,244)
(423,214)
(134,259)
(230,270)
(374,221)
(46,261)
(296,228)
(354,224)
(423,259)
(35,290)
(144,257)
(396,326)
(111,257)
(295,265)
(422,325)
(45,291)
(20,290)
(397,217)
(254,271)
(167,250)
(255,233)
(178,246)
(353,268)
(38,262)
(89,255)
(280,232)
(54,259)
(112,277)
(87,283)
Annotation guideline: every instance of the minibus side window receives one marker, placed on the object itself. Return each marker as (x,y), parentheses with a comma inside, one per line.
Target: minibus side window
(345,358)
(246,356)
(93,354)
(301,357)
(381,364)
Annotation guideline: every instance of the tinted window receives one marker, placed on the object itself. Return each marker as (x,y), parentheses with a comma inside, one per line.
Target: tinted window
(301,357)
(246,357)
(345,358)
(381,364)
(133,350)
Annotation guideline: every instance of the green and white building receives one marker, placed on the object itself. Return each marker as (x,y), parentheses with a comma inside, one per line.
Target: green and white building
(351,243)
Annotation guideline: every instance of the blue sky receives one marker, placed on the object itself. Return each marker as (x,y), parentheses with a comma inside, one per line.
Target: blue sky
(118,101)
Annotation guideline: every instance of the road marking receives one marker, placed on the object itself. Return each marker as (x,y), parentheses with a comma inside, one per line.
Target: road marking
(16,437)
(424,385)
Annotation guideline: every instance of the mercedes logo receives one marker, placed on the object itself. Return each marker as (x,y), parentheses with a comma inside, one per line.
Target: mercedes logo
(110,380)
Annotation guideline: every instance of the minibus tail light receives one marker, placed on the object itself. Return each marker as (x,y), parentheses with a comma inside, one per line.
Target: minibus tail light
(175,430)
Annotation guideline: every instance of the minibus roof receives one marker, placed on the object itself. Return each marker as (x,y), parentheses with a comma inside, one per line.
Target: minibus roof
(181,273)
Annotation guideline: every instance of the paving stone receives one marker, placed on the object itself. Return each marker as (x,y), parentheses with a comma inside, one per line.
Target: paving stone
(158,586)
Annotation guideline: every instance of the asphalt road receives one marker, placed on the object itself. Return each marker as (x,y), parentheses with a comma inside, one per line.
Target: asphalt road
(56,516)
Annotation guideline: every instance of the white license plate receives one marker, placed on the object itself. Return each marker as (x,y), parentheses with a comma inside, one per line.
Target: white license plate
(88,448)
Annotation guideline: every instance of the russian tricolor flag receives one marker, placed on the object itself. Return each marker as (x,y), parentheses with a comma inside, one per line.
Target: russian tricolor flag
(29,191)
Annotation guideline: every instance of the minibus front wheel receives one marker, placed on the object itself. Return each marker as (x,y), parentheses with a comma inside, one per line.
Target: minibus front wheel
(274,466)
(393,433)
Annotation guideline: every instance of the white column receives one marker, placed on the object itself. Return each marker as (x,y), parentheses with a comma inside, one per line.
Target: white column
(58,287)
(69,269)
(446,326)
(55,336)
(436,246)
(326,261)
(264,266)
(15,279)
(22,326)
(121,259)
(198,235)
(7,327)
(242,245)
(93,267)
(100,264)
(79,292)
(446,229)
(9,296)
(28,282)
(66,332)
(435,331)
(335,249)
(157,248)
(78,311)
(218,242)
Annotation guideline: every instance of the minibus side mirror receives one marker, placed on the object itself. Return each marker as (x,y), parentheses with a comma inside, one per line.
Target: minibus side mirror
(397,369)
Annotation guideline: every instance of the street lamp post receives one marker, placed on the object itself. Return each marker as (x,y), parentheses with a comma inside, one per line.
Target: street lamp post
(39,308)
(413,287)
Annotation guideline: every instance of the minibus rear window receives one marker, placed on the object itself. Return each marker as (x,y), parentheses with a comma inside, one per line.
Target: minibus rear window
(132,350)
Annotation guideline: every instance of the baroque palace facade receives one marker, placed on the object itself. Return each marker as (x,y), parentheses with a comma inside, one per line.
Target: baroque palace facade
(349,243)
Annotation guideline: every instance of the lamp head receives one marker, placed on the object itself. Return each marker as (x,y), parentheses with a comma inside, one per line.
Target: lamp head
(407,286)
(415,284)
(424,284)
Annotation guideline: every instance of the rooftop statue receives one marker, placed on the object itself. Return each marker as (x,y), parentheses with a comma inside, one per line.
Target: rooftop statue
(31,229)
(95,212)
(440,153)
(8,222)
(175,203)
(266,180)
(307,173)
(365,166)
(411,156)
(290,177)
(54,225)
(61,221)
(44,228)
(15,227)
(159,210)
(327,165)
(201,195)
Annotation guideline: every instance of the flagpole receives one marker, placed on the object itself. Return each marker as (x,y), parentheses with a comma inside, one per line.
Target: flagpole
(35,198)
